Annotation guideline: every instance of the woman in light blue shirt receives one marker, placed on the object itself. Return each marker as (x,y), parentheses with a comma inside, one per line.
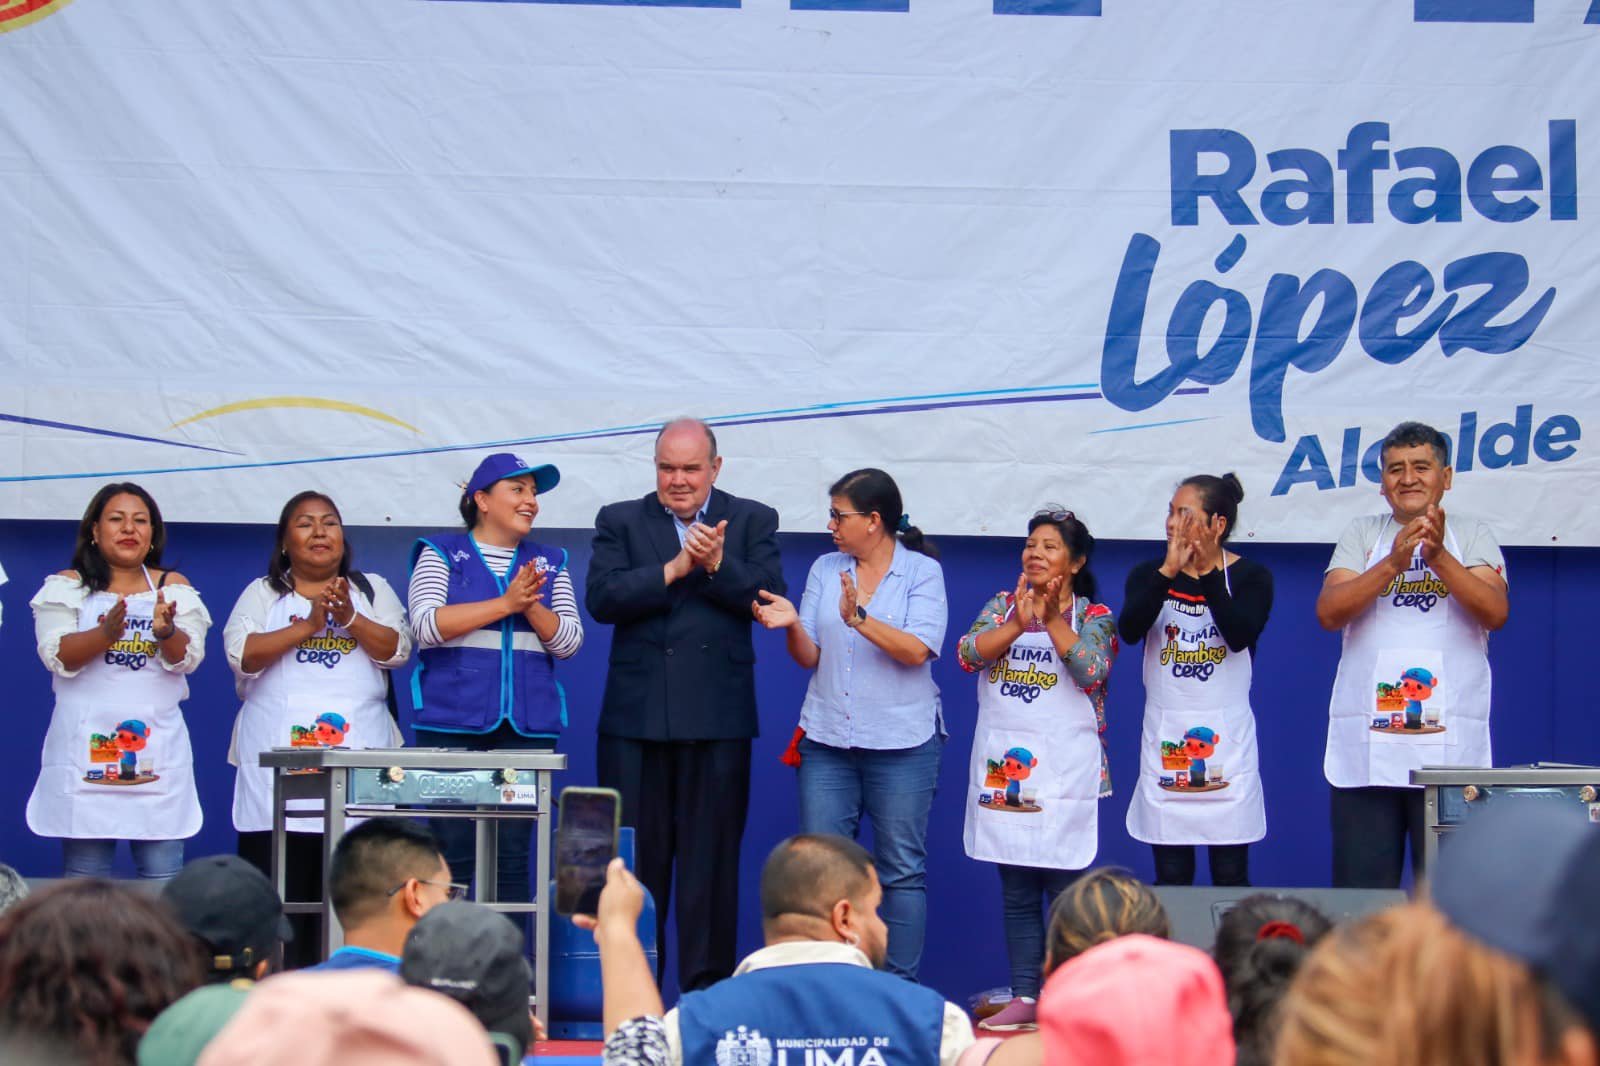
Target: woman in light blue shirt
(870,625)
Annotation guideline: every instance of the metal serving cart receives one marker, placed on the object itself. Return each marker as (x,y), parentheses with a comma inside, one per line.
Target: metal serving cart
(1452,794)
(486,786)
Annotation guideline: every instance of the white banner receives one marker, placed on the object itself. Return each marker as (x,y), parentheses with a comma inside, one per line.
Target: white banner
(1010,250)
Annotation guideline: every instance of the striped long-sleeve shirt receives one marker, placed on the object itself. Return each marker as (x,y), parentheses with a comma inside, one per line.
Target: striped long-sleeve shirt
(430,583)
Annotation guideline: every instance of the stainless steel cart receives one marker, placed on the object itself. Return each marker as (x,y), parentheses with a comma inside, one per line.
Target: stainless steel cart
(486,786)
(1453,793)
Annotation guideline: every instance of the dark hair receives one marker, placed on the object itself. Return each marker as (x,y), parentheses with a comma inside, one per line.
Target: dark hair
(1102,905)
(1075,535)
(686,420)
(1411,434)
(1257,971)
(870,489)
(809,872)
(93,570)
(278,565)
(373,859)
(1218,496)
(88,965)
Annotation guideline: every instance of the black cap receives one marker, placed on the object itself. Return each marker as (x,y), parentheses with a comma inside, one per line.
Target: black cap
(231,907)
(1521,878)
(473,955)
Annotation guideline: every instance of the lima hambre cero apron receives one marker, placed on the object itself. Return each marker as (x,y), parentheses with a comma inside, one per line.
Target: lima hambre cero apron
(117,763)
(1034,781)
(1413,682)
(325,692)
(1199,782)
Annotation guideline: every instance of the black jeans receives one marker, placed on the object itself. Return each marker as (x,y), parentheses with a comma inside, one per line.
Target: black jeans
(1230,864)
(1370,829)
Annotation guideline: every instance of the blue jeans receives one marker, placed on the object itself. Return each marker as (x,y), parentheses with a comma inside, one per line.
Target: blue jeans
(457,836)
(895,788)
(153,860)
(1026,893)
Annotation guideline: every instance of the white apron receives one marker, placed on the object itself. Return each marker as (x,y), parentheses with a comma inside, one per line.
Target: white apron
(1199,780)
(326,692)
(117,763)
(1413,682)
(1034,781)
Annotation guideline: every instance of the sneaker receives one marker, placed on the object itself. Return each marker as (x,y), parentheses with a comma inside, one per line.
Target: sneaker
(1020,1014)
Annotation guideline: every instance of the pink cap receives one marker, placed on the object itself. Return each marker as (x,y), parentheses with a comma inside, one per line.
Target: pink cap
(349,1018)
(1136,1001)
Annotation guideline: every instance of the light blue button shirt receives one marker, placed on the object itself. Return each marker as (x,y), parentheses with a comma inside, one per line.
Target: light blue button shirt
(681,526)
(859,697)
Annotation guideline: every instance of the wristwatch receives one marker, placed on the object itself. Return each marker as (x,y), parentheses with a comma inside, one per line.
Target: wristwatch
(861,616)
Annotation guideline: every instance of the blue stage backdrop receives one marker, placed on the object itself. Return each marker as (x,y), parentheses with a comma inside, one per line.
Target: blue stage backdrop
(1542,706)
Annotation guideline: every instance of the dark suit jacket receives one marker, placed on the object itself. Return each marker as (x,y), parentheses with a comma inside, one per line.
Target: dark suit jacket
(682,664)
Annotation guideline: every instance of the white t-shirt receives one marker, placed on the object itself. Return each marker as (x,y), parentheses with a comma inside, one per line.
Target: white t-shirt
(1473,536)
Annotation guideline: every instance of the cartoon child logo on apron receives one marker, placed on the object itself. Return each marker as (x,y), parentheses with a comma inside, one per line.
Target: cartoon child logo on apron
(1191,764)
(1006,778)
(122,747)
(1408,705)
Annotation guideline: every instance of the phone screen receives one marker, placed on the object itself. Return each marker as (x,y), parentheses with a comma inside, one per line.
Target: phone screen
(586,842)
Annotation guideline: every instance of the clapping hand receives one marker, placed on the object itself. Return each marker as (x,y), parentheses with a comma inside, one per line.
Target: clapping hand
(525,589)
(161,624)
(113,621)
(1180,546)
(336,603)
(849,598)
(1205,542)
(1432,533)
(776,613)
(704,544)
(1025,606)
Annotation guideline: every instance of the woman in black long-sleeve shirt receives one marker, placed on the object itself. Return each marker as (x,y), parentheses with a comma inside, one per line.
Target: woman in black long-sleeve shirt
(1199,610)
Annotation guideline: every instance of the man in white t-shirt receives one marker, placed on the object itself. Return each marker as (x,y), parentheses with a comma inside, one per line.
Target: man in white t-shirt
(1416,595)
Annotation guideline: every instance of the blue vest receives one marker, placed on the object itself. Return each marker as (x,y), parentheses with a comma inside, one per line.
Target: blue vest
(853,1015)
(483,678)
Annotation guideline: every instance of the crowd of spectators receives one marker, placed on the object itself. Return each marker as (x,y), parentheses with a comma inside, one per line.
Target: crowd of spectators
(1497,963)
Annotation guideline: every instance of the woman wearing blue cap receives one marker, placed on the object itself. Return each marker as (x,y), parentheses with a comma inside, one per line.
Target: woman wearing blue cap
(491,611)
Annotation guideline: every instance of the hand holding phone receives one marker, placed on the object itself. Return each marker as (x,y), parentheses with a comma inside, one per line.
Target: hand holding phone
(586,842)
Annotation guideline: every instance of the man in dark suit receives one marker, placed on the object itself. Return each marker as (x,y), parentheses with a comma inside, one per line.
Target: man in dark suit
(676,573)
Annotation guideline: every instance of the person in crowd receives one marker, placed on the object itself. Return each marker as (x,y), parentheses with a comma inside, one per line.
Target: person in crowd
(87,965)
(1133,1001)
(1545,860)
(1261,943)
(1102,905)
(363,1018)
(870,739)
(819,980)
(1406,987)
(631,1008)
(13,888)
(473,955)
(675,573)
(1199,610)
(1043,655)
(309,643)
(492,610)
(1417,596)
(234,914)
(121,635)
(386,874)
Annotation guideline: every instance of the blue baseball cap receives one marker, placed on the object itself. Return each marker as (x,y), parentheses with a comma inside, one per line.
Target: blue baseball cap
(1520,877)
(501,465)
